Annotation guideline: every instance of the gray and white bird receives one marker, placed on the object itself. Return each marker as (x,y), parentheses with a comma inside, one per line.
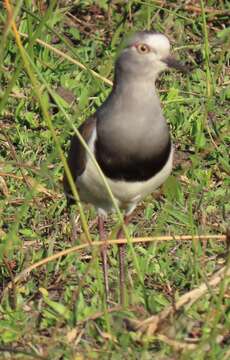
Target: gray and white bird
(128,136)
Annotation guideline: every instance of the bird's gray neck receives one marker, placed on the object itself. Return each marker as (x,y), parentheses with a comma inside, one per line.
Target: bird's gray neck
(135,87)
(132,100)
(131,117)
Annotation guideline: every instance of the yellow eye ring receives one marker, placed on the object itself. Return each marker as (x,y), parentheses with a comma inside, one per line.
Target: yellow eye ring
(143,48)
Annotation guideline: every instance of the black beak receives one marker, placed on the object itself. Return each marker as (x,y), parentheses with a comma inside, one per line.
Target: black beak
(171,62)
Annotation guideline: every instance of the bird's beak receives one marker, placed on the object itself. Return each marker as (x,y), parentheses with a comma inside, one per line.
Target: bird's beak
(171,62)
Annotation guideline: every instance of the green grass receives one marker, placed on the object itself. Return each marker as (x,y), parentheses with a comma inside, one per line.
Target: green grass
(57,311)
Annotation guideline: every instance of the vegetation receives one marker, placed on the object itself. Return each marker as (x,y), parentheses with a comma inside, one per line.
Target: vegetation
(57,310)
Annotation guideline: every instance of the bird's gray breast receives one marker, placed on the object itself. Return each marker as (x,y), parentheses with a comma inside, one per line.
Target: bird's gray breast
(132,147)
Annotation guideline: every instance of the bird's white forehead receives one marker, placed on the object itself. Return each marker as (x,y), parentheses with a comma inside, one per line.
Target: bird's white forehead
(158,42)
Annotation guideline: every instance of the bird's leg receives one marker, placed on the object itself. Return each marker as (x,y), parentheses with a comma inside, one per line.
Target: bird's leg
(74,227)
(103,237)
(121,255)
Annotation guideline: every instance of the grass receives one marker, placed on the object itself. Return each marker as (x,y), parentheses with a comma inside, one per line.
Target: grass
(57,311)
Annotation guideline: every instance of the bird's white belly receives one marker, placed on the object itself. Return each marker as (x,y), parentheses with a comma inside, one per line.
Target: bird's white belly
(127,194)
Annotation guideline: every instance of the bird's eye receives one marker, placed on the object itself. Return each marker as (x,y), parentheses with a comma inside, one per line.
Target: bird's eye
(143,48)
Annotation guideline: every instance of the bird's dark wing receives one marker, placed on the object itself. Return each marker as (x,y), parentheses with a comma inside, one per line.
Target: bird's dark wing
(77,153)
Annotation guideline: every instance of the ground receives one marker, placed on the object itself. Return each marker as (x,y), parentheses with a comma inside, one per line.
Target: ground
(57,310)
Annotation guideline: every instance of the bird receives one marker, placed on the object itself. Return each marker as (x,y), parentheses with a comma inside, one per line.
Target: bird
(129,138)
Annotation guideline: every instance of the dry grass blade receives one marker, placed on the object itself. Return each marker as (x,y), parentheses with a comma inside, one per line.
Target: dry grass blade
(81,247)
(151,324)
(99,314)
(70,59)
(177,345)
(31,181)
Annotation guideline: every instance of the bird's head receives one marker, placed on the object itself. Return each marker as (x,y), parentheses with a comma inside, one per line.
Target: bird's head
(146,54)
